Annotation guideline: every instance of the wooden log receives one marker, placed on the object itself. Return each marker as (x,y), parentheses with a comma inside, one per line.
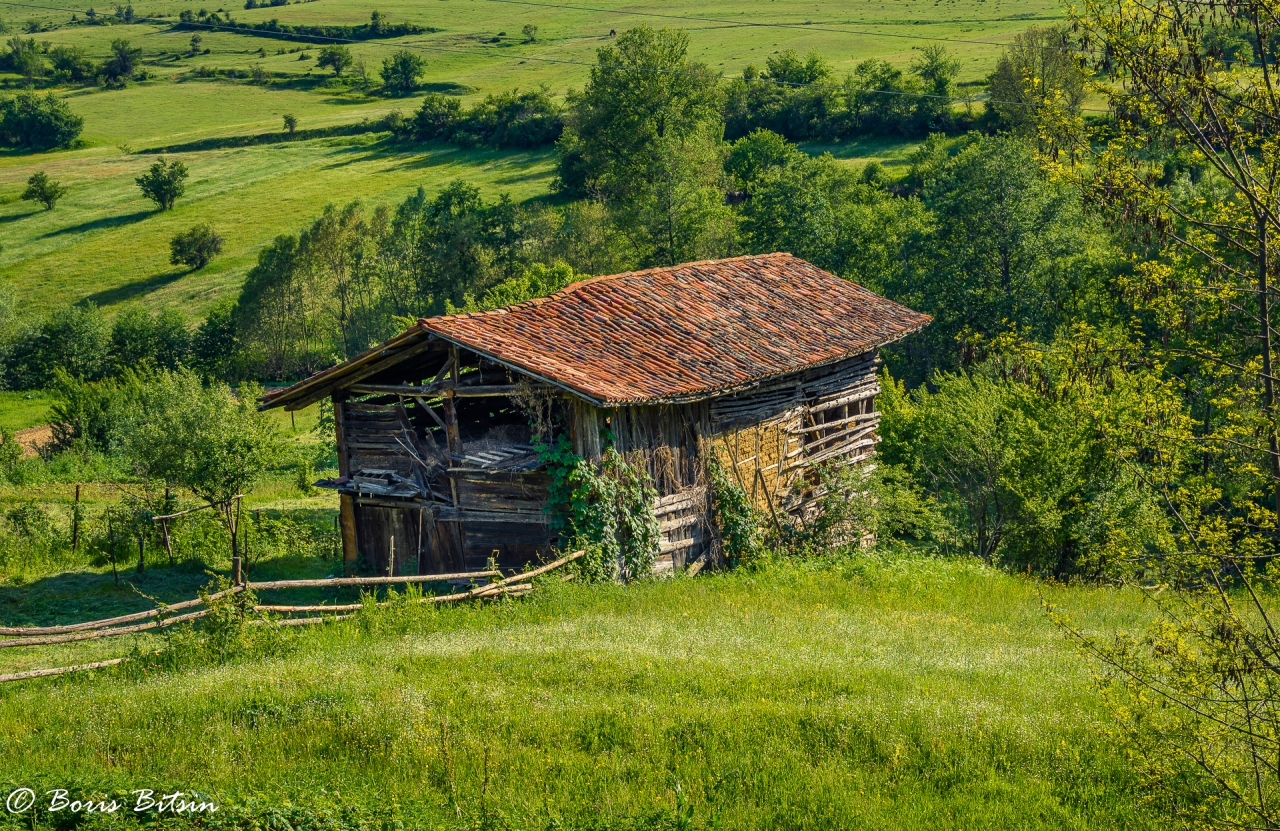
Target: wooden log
(668,525)
(518,517)
(799,431)
(675,502)
(355,607)
(393,389)
(44,673)
(264,585)
(111,621)
(677,545)
(101,633)
(193,510)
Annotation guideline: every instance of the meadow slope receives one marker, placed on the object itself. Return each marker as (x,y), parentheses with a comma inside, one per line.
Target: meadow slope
(871,693)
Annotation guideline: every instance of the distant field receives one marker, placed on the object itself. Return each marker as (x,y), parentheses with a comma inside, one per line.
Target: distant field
(890,695)
(103,243)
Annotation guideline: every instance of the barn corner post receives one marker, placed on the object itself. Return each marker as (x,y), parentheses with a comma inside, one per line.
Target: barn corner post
(346,502)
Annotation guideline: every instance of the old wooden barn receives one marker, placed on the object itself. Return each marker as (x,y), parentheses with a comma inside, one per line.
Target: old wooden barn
(767,361)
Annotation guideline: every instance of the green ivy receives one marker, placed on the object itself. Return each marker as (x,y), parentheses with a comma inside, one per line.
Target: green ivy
(735,517)
(608,511)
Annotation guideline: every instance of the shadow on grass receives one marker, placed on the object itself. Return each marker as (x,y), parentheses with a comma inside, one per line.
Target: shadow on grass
(100,224)
(16,217)
(78,596)
(128,291)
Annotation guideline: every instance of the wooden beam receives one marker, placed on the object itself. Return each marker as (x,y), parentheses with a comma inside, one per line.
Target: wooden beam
(462,391)
(347,526)
(389,357)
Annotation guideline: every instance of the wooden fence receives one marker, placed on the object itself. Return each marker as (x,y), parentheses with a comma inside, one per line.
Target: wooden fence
(513,585)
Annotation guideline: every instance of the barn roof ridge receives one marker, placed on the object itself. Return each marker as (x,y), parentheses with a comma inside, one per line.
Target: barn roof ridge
(664,335)
(600,278)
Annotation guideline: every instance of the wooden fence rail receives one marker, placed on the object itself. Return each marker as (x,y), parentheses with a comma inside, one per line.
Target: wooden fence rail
(513,585)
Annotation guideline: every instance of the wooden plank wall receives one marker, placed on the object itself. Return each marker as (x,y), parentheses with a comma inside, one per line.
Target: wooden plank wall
(771,438)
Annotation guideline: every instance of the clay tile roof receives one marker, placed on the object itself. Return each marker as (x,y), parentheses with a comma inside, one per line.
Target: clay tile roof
(684,332)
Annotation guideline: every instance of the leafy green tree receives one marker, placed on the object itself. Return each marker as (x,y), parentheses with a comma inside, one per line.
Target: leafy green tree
(290,123)
(401,71)
(215,346)
(210,440)
(937,68)
(538,280)
(1007,248)
(42,189)
(88,414)
(141,339)
(195,247)
(71,63)
(643,95)
(25,58)
(38,122)
(75,338)
(530,33)
(678,213)
(122,63)
(1198,689)
(821,210)
(337,58)
(787,67)
(196,40)
(164,182)
(750,156)
(1037,76)
(438,117)
(1013,454)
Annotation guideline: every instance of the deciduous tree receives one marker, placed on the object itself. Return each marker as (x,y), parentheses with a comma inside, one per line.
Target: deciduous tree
(164,182)
(42,189)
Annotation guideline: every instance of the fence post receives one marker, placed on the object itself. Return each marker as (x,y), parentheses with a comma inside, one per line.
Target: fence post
(235,571)
(391,560)
(168,544)
(142,558)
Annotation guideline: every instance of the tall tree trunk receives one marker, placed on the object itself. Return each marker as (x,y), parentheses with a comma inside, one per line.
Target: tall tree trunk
(1268,385)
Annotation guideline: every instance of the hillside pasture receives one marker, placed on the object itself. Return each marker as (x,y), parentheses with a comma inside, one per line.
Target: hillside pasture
(104,244)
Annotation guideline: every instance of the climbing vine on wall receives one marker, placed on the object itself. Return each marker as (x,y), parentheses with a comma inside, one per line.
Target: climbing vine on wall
(736,519)
(608,511)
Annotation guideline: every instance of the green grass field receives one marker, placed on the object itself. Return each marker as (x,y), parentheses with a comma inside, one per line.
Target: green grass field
(864,694)
(104,243)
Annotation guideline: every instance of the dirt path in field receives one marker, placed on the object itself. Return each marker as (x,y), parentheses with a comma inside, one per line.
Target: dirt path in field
(34,438)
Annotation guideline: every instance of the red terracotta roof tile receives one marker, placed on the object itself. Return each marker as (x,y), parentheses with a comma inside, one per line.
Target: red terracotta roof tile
(685,332)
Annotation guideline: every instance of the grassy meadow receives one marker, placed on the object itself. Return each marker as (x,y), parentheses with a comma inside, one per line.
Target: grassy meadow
(858,693)
(105,243)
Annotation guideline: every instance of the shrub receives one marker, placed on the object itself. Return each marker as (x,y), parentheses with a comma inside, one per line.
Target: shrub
(606,511)
(10,453)
(401,71)
(164,183)
(88,414)
(195,247)
(337,58)
(119,68)
(509,119)
(38,122)
(75,339)
(42,189)
(736,520)
(70,63)
(141,339)
(290,123)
